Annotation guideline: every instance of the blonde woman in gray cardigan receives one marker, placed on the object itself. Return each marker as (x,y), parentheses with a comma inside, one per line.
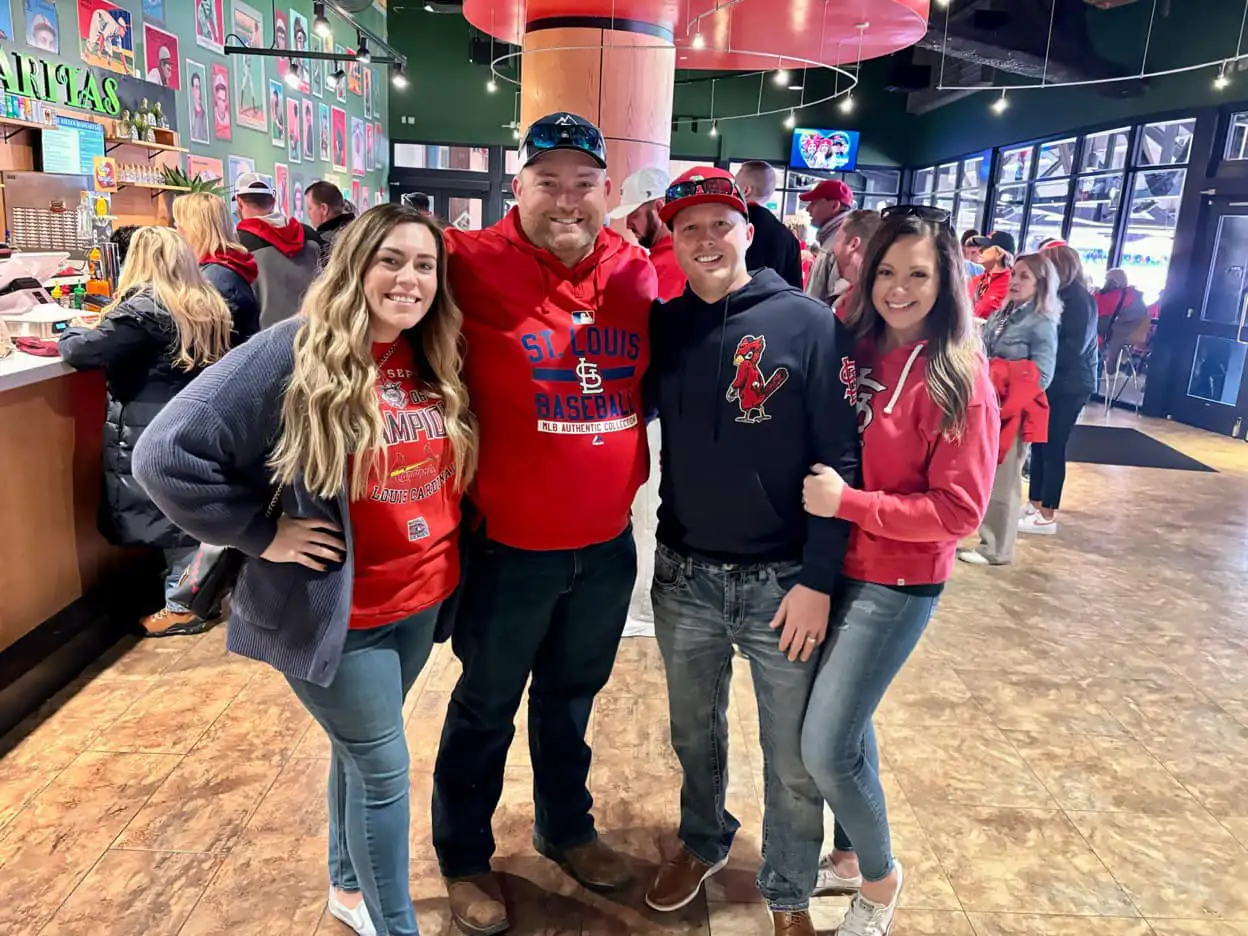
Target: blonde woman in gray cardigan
(1024,330)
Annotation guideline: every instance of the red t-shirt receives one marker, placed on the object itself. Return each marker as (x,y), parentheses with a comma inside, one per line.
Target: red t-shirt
(405,530)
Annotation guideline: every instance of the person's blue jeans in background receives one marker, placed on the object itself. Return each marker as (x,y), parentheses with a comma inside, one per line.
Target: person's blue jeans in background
(368,789)
(176,560)
(701,610)
(873,630)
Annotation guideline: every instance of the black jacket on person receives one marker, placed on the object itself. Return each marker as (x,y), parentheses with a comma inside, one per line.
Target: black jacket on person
(329,231)
(1075,373)
(750,392)
(234,286)
(135,345)
(774,246)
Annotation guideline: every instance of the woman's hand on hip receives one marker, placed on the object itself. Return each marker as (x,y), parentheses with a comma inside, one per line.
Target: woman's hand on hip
(317,544)
(822,490)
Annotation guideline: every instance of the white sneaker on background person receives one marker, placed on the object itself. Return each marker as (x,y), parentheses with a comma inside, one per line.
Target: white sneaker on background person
(830,883)
(972,557)
(1028,511)
(867,918)
(355,917)
(1036,524)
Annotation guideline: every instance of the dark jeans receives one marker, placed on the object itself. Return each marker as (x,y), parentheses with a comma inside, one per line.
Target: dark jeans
(559,616)
(368,792)
(1048,459)
(702,610)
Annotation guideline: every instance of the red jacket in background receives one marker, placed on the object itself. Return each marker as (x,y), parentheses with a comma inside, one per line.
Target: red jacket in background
(921,492)
(672,278)
(989,292)
(1024,406)
(554,363)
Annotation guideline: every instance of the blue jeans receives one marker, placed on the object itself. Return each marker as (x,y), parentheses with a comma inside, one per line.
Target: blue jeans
(874,628)
(559,616)
(701,610)
(177,560)
(368,797)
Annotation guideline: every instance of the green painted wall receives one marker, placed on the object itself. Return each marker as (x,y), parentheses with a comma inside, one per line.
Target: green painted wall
(448,102)
(178,17)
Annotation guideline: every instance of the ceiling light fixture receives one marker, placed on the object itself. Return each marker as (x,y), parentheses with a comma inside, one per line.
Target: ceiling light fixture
(1000,105)
(698,41)
(320,24)
(292,75)
(491,86)
(335,79)
(782,76)
(797,87)
(714,128)
(362,54)
(399,77)
(847,104)
(791,120)
(1222,80)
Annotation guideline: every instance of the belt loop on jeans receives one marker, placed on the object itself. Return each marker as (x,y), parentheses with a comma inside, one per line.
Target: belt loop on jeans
(688,567)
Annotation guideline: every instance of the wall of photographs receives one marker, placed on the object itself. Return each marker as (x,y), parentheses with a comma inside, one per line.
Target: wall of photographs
(235,113)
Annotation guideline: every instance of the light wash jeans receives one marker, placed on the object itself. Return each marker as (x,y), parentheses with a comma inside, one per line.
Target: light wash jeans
(701,610)
(874,628)
(368,795)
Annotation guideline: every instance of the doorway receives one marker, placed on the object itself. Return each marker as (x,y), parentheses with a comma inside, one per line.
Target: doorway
(1214,393)
(464,208)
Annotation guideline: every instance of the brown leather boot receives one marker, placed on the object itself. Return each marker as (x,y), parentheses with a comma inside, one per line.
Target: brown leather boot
(169,623)
(594,865)
(477,905)
(793,923)
(679,881)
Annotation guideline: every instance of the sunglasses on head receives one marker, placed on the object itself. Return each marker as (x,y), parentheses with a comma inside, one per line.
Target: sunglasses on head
(941,216)
(578,136)
(704,187)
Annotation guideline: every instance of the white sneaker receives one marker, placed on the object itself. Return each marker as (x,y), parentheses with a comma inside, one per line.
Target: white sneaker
(973,557)
(356,918)
(829,882)
(1037,524)
(866,918)
(1028,511)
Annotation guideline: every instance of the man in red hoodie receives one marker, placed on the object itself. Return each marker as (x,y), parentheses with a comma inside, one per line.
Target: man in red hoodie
(556,310)
(287,253)
(640,203)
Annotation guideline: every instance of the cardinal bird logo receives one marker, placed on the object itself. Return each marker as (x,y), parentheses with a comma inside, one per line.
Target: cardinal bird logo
(749,390)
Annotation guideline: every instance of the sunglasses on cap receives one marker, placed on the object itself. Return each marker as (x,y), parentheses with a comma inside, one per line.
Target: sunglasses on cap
(548,136)
(693,187)
(927,213)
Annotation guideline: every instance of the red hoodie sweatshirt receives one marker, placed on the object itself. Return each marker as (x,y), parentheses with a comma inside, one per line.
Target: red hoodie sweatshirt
(240,261)
(554,364)
(989,292)
(672,278)
(289,239)
(921,493)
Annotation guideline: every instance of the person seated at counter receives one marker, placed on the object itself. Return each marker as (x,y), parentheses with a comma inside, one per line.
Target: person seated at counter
(165,326)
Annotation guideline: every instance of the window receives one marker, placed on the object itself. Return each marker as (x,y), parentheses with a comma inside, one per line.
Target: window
(1015,165)
(431,156)
(1097,200)
(1008,213)
(1237,138)
(1149,238)
(923,183)
(1047,214)
(1056,160)
(511,161)
(947,178)
(1166,144)
(1106,150)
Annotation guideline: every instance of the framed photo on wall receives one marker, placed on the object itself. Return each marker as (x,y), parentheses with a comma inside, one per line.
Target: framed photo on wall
(197,100)
(323,131)
(220,102)
(308,131)
(249,76)
(161,57)
(277,113)
(294,147)
(210,24)
(339,139)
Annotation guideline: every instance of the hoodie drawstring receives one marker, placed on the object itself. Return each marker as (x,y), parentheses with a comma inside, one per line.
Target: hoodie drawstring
(905,373)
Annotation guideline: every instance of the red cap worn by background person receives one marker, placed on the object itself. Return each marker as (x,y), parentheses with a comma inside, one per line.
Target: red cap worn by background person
(830,189)
(702,185)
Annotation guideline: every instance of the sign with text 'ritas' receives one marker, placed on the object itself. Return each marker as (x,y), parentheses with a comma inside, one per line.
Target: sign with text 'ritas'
(59,83)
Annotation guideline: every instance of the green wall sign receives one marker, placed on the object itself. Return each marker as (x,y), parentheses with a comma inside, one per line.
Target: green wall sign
(58,83)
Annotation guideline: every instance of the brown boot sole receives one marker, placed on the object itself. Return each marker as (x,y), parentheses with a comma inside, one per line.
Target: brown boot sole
(465,926)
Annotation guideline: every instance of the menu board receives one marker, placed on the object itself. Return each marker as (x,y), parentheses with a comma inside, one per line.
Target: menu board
(71,146)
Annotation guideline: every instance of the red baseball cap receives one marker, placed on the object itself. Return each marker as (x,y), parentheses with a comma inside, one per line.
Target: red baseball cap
(702,185)
(831,189)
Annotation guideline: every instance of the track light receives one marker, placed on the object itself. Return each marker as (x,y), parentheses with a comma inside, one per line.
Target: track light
(399,77)
(362,55)
(1000,104)
(320,25)
(1222,80)
(491,86)
(714,128)
(847,104)
(782,76)
(698,41)
(515,133)
(292,75)
(335,79)
(791,120)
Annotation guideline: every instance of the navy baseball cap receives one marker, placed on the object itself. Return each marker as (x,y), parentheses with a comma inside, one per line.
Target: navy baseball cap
(562,131)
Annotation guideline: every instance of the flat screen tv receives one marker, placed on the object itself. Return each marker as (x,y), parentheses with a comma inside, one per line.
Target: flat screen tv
(826,150)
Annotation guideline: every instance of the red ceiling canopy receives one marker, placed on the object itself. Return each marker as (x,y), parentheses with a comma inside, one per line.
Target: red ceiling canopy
(824,31)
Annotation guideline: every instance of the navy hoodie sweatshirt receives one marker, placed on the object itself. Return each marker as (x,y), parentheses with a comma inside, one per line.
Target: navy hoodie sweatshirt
(751,391)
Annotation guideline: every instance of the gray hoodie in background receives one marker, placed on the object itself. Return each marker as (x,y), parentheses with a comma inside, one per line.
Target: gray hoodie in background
(288,256)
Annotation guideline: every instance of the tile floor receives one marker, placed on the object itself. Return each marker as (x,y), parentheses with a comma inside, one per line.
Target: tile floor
(1067,755)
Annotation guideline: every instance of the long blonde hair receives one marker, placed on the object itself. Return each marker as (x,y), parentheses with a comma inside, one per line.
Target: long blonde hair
(1047,283)
(954,354)
(330,409)
(161,263)
(204,220)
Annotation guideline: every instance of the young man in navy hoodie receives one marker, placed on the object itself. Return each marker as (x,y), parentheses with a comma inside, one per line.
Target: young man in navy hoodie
(753,384)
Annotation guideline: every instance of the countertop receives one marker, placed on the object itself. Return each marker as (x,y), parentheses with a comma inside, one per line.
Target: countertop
(20,369)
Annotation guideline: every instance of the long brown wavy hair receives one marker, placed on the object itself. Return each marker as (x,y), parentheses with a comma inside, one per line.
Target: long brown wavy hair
(330,409)
(954,353)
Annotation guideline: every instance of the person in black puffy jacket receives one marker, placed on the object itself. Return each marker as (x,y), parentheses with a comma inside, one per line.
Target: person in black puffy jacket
(1074,382)
(203,219)
(165,326)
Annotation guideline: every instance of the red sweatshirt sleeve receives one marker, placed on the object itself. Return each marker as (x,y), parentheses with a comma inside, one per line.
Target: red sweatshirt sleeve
(959,481)
(994,298)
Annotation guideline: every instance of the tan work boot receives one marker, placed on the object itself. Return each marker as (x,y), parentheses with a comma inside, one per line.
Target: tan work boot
(477,905)
(594,865)
(792,923)
(169,623)
(678,881)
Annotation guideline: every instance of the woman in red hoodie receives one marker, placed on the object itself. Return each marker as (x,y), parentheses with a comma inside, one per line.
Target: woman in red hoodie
(929,424)
(203,220)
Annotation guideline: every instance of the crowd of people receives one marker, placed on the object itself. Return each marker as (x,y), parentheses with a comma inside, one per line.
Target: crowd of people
(413,433)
